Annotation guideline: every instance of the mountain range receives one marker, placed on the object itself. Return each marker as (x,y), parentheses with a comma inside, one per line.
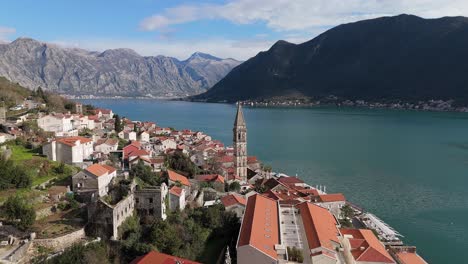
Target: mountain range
(124,72)
(399,58)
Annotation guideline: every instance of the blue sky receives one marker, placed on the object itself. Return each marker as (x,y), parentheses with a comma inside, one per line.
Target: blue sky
(235,28)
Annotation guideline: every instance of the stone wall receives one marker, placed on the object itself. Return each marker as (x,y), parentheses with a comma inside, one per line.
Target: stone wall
(61,242)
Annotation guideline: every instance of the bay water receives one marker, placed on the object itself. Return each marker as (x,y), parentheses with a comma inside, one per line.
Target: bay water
(409,168)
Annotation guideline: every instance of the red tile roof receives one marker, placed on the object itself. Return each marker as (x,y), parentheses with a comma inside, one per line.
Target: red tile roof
(260,225)
(313,192)
(176,190)
(103,111)
(252,159)
(225,159)
(320,227)
(232,199)
(410,258)
(71,141)
(99,170)
(366,247)
(290,180)
(210,178)
(154,257)
(334,197)
(138,152)
(176,177)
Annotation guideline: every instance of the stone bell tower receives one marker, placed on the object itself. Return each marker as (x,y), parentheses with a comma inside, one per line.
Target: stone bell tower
(240,144)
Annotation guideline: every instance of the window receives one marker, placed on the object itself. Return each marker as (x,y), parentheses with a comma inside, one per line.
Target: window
(150,200)
(137,200)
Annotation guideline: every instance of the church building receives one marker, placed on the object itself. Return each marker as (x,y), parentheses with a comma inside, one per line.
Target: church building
(240,145)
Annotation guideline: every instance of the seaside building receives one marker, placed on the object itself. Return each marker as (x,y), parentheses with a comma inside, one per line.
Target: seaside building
(234,203)
(240,145)
(362,246)
(272,229)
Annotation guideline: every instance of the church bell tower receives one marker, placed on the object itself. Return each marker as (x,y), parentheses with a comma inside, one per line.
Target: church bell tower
(240,144)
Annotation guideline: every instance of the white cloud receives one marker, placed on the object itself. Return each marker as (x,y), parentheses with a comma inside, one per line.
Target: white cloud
(298,15)
(181,49)
(5,32)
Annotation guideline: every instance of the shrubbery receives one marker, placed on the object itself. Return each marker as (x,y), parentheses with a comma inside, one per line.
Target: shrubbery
(13,176)
(184,234)
(19,212)
(145,173)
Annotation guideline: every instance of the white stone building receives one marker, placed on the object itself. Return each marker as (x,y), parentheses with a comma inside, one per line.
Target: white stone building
(69,149)
(94,179)
(106,145)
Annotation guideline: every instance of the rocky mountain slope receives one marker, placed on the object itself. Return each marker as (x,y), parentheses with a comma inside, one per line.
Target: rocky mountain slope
(390,58)
(113,72)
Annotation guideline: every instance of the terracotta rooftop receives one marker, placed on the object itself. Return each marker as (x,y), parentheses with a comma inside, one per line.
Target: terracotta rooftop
(99,170)
(366,247)
(232,199)
(103,111)
(138,152)
(290,180)
(72,141)
(210,178)
(320,227)
(410,258)
(260,226)
(154,257)
(334,197)
(176,190)
(176,177)
(252,159)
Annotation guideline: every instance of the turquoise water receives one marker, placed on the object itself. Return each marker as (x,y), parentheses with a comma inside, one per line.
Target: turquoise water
(409,168)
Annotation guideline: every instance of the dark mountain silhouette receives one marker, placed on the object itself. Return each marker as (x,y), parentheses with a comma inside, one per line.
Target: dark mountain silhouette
(403,57)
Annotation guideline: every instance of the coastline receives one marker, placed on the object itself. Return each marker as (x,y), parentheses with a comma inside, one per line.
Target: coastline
(422,106)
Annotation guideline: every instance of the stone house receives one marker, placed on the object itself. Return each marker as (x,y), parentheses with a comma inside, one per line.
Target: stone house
(105,114)
(109,217)
(178,179)
(81,122)
(69,149)
(55,123)
(216,180)
(164,144)
(106,145)
(177,198)
(128,135)
(94,180)
(144,136)
(152,201)
(56,193)
(156,163)
(333,202)
(135,145)
(234,203)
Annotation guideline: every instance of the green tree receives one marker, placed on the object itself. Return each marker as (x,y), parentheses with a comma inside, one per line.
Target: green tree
(234,186)
(166,237)
(117,124)
(12,175)
(181,162)
(145,173)
(347,211)
(17,210)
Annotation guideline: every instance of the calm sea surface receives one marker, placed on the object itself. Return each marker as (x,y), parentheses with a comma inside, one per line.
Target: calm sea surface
(409,168)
